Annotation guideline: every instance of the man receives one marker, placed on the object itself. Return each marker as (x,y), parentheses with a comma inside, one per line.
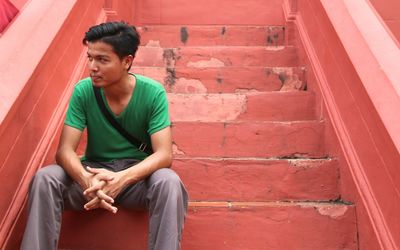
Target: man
(114,172)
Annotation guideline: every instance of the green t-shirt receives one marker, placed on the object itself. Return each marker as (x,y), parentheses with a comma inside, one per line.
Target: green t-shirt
(145,114)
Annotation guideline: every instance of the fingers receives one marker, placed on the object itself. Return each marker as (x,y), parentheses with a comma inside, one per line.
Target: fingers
(92,204)
(94,188)
(103,196)
(97,202)
(100,174)
(93,170)
(108,206)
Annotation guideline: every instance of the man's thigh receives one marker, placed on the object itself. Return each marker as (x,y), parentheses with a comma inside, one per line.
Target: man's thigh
(140,194)
(55,176)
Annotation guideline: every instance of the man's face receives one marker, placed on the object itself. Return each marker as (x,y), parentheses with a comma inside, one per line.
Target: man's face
(105,67)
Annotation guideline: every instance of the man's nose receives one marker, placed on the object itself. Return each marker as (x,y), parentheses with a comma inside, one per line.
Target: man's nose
(92,65)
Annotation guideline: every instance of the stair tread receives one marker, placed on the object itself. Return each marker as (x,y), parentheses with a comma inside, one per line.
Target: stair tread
(246,204)
(224,225)
(218,56)
(258,180)
(277,106)
(208,79)
(249,138)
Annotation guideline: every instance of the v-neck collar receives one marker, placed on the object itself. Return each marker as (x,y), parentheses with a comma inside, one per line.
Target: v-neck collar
(129,103)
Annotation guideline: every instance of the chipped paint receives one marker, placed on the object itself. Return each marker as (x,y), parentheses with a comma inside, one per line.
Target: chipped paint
(333,211)
(153,43)
(213,62)
(176,150)
(184,85)
(212,107)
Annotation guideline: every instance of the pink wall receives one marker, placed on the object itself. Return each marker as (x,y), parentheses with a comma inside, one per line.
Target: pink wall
(41,59)
(389,10)
(352,64)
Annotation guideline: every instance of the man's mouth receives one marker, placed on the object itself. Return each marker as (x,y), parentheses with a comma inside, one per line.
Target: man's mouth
(95,78)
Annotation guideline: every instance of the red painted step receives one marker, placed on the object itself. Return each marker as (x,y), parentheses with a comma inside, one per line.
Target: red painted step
(216,35)
(275,225)
(271,106)
(222,225)
(218,56)
(226,79)
(258,179)
(249,139)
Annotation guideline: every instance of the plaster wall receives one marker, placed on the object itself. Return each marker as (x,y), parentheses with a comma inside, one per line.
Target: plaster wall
(358,133)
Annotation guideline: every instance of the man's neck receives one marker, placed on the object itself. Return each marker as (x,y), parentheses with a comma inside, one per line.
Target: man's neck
(121,90)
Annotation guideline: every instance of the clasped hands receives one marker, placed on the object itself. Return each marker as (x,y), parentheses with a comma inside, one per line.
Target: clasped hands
(102,187)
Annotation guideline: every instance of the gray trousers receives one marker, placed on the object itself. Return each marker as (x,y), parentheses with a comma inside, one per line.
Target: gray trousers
(52,191)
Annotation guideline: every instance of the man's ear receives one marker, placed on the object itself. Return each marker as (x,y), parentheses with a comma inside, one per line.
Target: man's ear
(128,60)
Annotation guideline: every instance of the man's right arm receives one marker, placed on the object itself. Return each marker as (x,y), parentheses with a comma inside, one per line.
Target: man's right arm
(67,157)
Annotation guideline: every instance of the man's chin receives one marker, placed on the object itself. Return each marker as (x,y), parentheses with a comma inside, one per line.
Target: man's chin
(97,83)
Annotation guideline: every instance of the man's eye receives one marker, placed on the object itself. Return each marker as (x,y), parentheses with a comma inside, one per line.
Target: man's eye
(90,58)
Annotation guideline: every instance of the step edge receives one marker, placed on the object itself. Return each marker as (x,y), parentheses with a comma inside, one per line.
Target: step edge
(241,204)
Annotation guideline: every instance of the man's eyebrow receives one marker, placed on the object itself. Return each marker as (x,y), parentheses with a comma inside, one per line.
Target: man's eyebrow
(97,56)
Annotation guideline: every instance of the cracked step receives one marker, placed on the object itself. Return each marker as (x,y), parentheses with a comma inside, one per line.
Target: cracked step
(216,35)
(249,139)
(226,79)
(259,179)
(222,56)
(234,226)
(271,106)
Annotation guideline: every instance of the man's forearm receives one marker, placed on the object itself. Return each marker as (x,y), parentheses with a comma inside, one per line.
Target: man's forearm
(71,163)
(148,166)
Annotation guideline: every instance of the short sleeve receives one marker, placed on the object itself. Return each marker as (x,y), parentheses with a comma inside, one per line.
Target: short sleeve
(76,117)
(159,117)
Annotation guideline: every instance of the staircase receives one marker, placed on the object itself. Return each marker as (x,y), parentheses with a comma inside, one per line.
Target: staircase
(248,145)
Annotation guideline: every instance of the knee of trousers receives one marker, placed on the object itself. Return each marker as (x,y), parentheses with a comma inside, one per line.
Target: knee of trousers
(166,183)
(49,177)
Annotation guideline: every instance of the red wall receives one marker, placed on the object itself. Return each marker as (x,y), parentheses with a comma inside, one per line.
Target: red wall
(355,88)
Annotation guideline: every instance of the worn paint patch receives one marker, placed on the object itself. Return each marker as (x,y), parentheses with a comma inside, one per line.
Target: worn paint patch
(213,62)
(149,56)
(176,150)
(332,211)
(213,107)
(184,85)
(153,43)
(290,79)
(275,48)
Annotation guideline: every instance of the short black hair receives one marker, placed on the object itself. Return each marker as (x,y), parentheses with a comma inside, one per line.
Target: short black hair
(123,37)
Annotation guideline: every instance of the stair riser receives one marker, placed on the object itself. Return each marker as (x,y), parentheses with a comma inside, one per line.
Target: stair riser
(302,139)
(224,80)
(210,12)
(174,36)
(200,57)
(277,106)
(270,228)
(258,180)
(238,228)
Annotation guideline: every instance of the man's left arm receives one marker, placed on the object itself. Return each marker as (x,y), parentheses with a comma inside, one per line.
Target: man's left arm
(161,158)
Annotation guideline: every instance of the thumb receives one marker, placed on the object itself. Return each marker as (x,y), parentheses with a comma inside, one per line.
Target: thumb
(93,170)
